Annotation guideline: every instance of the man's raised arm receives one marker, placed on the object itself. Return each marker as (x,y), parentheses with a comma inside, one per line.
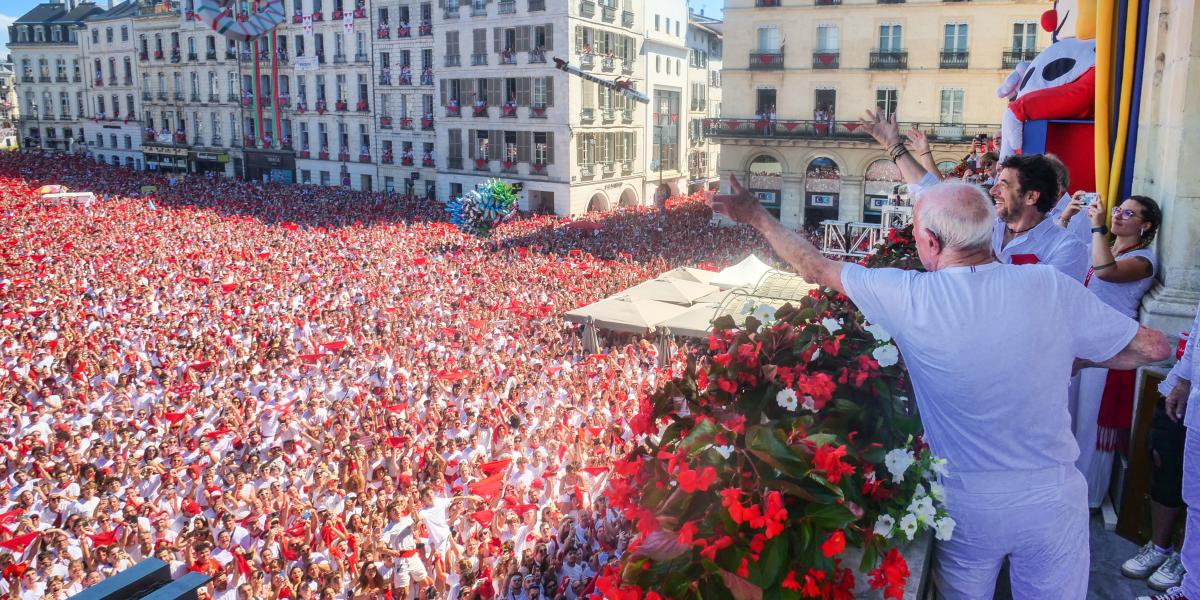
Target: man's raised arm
(741,206)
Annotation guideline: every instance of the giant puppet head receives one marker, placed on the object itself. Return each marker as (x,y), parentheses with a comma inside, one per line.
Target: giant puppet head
(1060,82)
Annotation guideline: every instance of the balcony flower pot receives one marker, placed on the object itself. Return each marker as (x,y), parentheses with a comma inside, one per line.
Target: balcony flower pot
(538,167)
(510,110)
(481,163)
(453,111)
(297,19)
(404,31)
(538,111)
(361,106)
(301,109)
(364,158)
(343,156)
(158,54)
(426,123)
(337,14)
(387,158)
(305,154)
(383,33)
(340,105)
(406,123)
(323,155)
(360,13)
(428,162)
(480,111)
(406,161)
(508,165)
(386,121)
(318,17)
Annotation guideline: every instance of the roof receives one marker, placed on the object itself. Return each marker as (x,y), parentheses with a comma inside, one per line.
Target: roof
(123,10)
(48,12)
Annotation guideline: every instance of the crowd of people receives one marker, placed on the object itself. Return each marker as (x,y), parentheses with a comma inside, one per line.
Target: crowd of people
(312,392)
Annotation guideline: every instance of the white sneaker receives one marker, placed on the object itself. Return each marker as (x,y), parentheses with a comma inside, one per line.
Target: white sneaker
(1144,563)
(1171,594)
(1167,576)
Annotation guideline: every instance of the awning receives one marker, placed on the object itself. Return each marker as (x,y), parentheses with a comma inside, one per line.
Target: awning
(748,272)
(695,322)
(689,274)
(675,291)
(626,315)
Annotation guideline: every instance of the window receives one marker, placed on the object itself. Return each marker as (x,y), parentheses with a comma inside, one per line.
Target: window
(124,33)
(1025,36)
(95,37)
(827,38)
(886,100)
(108,35)
(952,106)
(656,23)
(889,38)
(768,39)
(956,37)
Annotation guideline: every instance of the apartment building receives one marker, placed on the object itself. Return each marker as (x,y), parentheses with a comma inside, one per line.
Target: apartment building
(50,86)
(112,126)
(10,110)
(704,42)
(797,75)
(505,111)
(405,109)
(666,68)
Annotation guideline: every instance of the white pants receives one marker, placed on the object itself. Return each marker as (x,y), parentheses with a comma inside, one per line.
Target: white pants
(1190,555)
(1037,519)
(1096,465)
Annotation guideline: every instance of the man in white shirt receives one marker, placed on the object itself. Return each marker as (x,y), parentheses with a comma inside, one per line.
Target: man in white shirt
(1026,190)
(1183,402)
(1001,424)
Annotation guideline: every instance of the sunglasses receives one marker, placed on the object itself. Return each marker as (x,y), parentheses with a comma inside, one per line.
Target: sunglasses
(1126,213)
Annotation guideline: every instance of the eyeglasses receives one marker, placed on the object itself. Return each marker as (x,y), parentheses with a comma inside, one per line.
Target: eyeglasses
(1125,213)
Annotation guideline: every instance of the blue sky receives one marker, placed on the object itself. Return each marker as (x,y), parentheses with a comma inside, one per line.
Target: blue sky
(11,9)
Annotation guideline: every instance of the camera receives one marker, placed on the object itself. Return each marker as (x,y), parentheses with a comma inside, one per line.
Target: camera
(1088,199)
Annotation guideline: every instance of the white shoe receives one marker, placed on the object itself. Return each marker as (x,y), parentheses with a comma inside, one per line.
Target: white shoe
(1171,594)
(1147,560)
(1167,576)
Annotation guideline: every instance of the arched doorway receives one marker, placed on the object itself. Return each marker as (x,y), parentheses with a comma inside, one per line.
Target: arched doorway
(598,203)
(881,178)
(766,182)
(822,191)
(947,167)
(629,198)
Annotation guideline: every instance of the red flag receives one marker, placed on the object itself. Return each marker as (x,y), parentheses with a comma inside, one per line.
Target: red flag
(310,358)
(397,408)
(229,287)
(21,542)
(488,488)
(201,366)
(497,466)
(243,567)
(10,516)
(199,280)
(212,435)
(174,417)
(483,517)
(334,346)
(593,471)
(106,538)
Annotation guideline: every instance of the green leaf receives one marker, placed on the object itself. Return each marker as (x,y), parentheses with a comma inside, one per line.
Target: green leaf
(702,434)
(765,443)
(870,556)
(724,323)
(829,516)
(770,565)
(823,439)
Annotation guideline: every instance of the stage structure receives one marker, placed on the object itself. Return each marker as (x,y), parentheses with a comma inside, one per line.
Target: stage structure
(150,579)
(856,239)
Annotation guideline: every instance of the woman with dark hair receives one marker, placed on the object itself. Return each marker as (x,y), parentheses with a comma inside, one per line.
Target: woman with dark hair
(1123,266)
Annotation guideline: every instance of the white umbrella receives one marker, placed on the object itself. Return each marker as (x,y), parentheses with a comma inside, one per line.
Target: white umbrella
(689,274)
(747,272)
(675,291)
(619,313)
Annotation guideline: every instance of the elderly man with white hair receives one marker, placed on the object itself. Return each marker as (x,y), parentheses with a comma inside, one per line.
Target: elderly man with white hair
(990,348)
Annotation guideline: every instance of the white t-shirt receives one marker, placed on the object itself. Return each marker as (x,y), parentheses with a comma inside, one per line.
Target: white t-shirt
(990,350)
(1125,297)
(435,520)
(1046,244)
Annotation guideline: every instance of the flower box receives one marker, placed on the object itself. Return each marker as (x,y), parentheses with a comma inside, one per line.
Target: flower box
(364,158)
(385,122)
(508,165)
(481,163)
(383,33)
(305,154)
(360,13)
(340,105)
(297,19)
(510,110)
(387,158)
(301,108)
(323,155)
(404,31)
(480,111)
(406,161)
(337,15)
(426,29)
(428,162)
(453,111)
(158,54)
(426,123)
(406,123)
(317,17)
(538,112)
(361,106)
(343,156)
(539,167)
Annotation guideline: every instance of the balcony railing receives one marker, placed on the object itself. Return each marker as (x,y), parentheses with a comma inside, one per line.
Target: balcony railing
(889,59)
(626,18)
(587,9)
(891,1)
(756,128)
(954,59)
(826,59)
(766,61)
(339,59)
(1014,56)
(453,60)
(478,59)
(507,7)
(767,3)
(608,14)
(210,55)
(828,2)
(478,10)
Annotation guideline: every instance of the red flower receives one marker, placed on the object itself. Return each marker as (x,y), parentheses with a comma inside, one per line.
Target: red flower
(812,583)
(828,460)
(722,359)
(736,424)
(726,385)
(890,575)
(834,545)
(731,498)
(702,380)
(833,345)
(696,481)
(776,515)
(688,532)
(818,385)
(789,581)
(710,550)
(744,568)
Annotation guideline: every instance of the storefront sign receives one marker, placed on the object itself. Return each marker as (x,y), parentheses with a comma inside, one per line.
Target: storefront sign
(164,150)
(220,157)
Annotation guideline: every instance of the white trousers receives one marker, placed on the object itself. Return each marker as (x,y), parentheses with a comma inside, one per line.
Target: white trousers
(1190,555)
(1084,401)
(1037,519)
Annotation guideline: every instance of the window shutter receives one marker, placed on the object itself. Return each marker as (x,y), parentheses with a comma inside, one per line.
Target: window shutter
(550,148)
(523,95)
(496,35)
(445,95)
(523,39)
(524,145)
(579,39)
(468,96)
(549,27)
(474,145)
(549,91)
(495,141)
(493,91)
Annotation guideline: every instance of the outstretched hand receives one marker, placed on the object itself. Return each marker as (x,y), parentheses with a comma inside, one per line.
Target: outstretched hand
(739,204)
(919,142)
(882,127)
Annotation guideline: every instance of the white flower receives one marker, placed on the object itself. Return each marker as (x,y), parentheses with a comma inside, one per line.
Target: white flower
(943,528)
(937,491)
(897,462)
(765,313)
(886,355)
(787,399)
(809,403)
(909,526)
(878,332)
(832,324)
(938,466)
(816,354)
(920,491)
(884,526)
(724,451)
(923,509)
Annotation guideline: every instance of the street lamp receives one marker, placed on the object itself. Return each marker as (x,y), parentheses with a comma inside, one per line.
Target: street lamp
(37,125)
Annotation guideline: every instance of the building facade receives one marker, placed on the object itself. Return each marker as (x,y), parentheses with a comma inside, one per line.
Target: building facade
(405,100)
(505,111)
(112,126)
(798,73)
(705,43)
(50,86)
(10,111)
(666,69)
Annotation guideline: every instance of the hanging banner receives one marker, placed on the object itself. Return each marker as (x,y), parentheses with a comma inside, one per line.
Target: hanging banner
(348,20)
(305,63)
(308,28)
